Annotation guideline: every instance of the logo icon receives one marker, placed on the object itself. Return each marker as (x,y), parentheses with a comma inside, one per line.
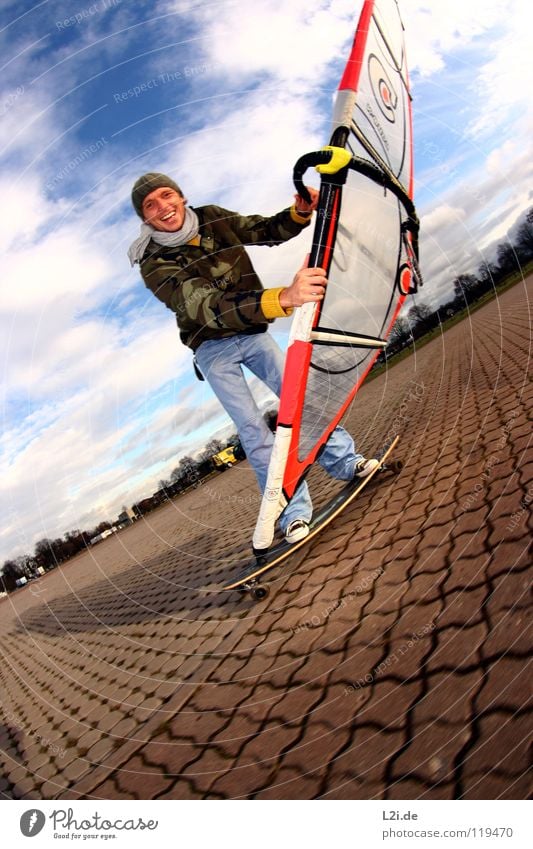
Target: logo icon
(383,88)
(32,822)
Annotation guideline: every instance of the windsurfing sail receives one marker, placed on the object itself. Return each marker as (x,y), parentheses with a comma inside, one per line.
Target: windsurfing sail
(365,237)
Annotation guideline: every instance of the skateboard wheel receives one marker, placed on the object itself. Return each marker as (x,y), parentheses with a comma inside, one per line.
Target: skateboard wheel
(259,592)
(396,466)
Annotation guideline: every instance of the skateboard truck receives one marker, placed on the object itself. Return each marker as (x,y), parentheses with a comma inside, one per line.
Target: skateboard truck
(250,581)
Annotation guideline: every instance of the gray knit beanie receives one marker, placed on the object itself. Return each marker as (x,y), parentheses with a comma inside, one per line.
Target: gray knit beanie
(146,184)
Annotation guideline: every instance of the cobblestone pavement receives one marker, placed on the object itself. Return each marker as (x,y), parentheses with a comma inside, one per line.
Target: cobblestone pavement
(389,661)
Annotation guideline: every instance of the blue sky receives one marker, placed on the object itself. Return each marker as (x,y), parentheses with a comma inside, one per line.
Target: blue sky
(99,401)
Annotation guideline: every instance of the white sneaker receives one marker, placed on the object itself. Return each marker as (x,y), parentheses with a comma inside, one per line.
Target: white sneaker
(364,467)
(296,530)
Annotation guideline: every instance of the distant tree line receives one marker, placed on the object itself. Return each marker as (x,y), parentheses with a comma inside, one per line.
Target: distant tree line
(49,553)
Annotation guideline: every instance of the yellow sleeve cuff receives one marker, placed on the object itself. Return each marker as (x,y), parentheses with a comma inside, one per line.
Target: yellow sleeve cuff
(298,217)
(270,304)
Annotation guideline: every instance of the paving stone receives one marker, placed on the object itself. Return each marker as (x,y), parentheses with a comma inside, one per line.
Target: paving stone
(22,788)
(264,748)
(502,747)
(416,620)
(431,753)
(16,773)
(52,789)
(184,789)
(435,536)
(369,753)
(450,697)
(37,762)
(508,590)
(125,729)
(457,647)
(109,790)
(137,782)
(87,739)
(389,703)
(74,771)
(343,786)
(423,588)
(505,529)
(239,783)
(412,790)
(110,721)
(508,556)
(48,770)
(100,750)
(508,683)
(289,783)
(509,632)
(463,606)
(466,574)
(165,690)
(482,786)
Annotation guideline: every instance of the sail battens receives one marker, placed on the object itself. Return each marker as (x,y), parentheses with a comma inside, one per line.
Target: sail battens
(350,339)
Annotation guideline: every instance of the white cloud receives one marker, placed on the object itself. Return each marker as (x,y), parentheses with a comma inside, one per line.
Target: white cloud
(25,210)
(62,265)
(435,29)
(287,43)
(499,87)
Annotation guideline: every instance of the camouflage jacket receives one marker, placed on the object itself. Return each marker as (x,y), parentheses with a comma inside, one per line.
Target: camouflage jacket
(210,282)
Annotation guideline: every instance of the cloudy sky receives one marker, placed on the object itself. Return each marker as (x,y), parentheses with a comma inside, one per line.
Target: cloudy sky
(99,401)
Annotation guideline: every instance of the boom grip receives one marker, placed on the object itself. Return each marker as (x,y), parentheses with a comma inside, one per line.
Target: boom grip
(309,160)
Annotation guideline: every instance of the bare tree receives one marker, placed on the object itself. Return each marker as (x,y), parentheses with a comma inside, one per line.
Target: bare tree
(524,239)
(400,334)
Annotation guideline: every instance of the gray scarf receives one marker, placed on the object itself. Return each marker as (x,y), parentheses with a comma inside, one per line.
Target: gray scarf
(187,231)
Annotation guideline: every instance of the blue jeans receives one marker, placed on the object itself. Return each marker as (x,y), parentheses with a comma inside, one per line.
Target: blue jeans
(221,362)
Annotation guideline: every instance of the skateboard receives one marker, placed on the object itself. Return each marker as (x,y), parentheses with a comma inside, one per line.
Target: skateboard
(249,580)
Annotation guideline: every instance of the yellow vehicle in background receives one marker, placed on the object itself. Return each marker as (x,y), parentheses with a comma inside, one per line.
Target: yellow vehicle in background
(224,459)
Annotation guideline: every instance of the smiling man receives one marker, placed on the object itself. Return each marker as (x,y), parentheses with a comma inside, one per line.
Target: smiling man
(195,262)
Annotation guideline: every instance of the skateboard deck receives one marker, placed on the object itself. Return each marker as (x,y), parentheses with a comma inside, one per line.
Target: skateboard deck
(248,581)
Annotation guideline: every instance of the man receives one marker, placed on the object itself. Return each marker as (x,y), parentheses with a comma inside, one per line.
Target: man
(194,261)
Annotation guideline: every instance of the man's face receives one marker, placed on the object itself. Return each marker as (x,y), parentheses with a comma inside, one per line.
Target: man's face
(164,209)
